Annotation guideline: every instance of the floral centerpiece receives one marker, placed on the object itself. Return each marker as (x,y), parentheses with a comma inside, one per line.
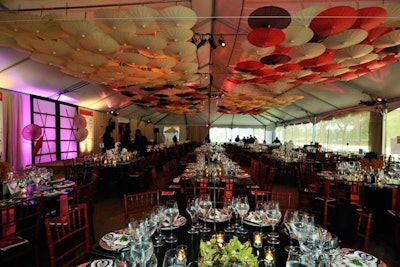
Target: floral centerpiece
(4,168)
(233,253)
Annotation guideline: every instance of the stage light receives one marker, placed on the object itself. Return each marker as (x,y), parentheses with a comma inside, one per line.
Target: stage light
(201,43)
(212,43)
(221,41)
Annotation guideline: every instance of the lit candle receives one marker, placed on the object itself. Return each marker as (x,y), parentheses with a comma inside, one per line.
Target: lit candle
(220,237)
(269,254)
(257,239)
(181,253)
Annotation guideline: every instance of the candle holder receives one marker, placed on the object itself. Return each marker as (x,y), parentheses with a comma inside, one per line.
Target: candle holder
(269,257)
(181,254)
(220,236)
(257,240)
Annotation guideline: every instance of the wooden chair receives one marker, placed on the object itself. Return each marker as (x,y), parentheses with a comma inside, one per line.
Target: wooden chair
(21,219)
(135,204)
(394,212)
(364,229)
(68,237)
(284,198)
(85,194)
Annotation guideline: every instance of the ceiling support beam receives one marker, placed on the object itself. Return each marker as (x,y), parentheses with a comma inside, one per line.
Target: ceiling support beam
(15,64)
(315,97)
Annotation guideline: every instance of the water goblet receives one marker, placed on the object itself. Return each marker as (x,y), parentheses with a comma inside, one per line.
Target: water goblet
(172,212)
(141,252)
(242,207)
(288,219)
(259,212)
(191,208)
(273,215)
(160,211)
(228,208)
(205,207)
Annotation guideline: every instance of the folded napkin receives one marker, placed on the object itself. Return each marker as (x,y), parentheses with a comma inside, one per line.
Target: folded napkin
(168,193)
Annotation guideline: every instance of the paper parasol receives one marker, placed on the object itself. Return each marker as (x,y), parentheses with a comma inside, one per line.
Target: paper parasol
(31,132)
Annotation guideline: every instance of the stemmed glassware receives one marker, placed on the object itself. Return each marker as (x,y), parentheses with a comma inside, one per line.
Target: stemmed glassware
(242,207)
(234,202)
(43,174)
(205,207)
(228,208)
(159,215)
(191,208)
(260,212)
(142,251)
(12,181)
(274,215)
(172,212)
(288,219)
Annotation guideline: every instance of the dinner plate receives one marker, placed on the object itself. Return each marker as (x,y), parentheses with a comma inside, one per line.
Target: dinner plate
(53,192)
(355,258)
(243,175)
(64,184)
(254,219)
(98,263)
(180,221)
(217,215)
(114,241)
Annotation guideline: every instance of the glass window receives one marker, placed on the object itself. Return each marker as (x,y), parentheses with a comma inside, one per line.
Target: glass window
(56,121)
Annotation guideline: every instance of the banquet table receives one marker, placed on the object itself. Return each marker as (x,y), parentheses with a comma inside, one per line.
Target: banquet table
(192,241)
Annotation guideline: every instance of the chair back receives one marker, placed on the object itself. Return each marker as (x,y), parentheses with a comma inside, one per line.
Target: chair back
(68,237)
(364,229)
(284,198)
(22,219)
(135,204)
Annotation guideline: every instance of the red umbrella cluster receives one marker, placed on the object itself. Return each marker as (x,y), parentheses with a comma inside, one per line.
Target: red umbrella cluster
(312,46)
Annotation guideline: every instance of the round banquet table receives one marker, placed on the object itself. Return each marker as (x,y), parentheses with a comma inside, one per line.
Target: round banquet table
(192,241)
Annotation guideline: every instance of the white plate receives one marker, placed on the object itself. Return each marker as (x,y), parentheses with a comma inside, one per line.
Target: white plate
(216,216)
(180,221)
(102,263)
(253,219)
(53,192)
(64,184)
(355,258)
(114,241)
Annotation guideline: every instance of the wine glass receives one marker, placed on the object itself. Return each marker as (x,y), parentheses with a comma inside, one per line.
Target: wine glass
(12,182)
(141,252)
(172,212)
(159,215)
(234,202)
(228,208)
(205,207)
(259,212)
(191,208)
(242,207)
(274,215)
(288,219)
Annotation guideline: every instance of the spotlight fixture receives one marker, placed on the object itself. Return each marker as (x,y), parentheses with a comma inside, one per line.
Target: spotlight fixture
(113,112)
(212,43)
(201,43)
(221,41)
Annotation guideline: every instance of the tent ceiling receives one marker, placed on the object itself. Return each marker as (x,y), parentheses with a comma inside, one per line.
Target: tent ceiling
(141,65)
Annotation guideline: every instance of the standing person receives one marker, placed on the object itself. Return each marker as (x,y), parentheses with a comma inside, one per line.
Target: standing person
(175,139)
(276,141)
(108,139)
(140,143)
(126,139)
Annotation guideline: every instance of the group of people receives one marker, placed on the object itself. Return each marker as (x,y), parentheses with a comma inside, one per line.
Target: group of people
(140,141)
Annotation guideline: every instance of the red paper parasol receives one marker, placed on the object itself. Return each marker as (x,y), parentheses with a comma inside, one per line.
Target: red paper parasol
(264,37)
(31,132)
(370,17)
(79,121)
(333,20)
(81,135)
(317,61)
(249,65)
(375,33)
(290,67)
(275,59)
(326,68)
(269,17)
(38,146)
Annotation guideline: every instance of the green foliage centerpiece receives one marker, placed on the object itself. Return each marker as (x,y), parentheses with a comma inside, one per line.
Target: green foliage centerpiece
(233,253)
